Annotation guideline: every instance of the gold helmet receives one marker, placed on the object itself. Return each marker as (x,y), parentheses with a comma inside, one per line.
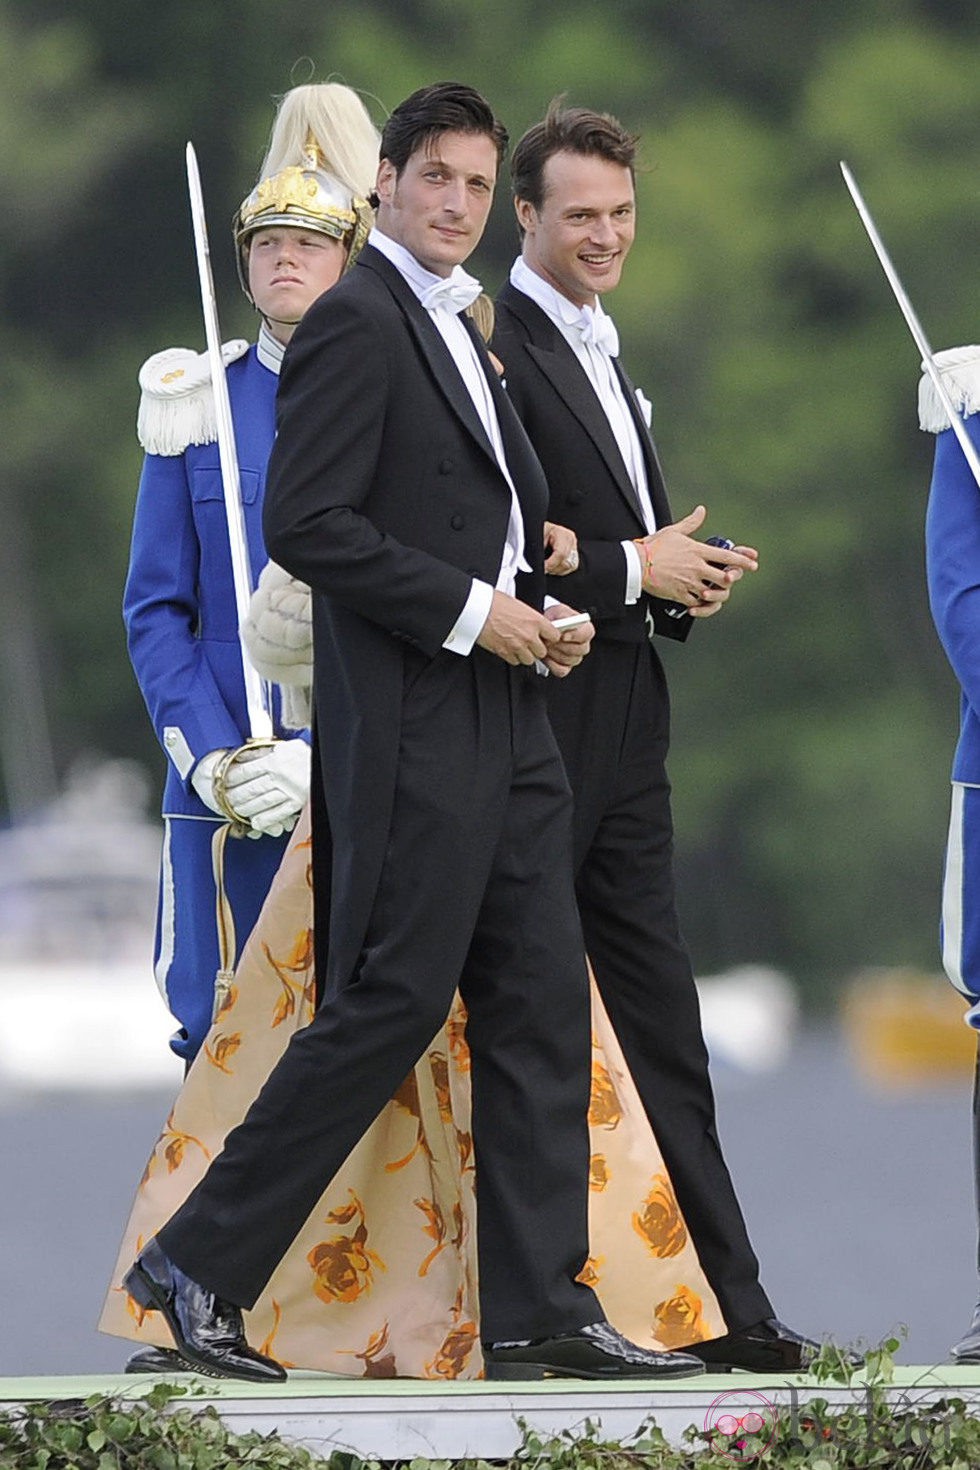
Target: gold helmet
(302,196)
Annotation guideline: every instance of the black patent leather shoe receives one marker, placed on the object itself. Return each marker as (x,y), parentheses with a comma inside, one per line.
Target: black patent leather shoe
(967,1350)
(765,1347)
(157,1360)
(208,1332)
(596,1351)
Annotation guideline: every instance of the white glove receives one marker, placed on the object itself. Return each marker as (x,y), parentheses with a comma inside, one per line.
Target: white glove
(268,789)
(202,779)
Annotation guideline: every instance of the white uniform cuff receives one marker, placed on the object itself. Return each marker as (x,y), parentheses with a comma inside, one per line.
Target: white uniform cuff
(177,748)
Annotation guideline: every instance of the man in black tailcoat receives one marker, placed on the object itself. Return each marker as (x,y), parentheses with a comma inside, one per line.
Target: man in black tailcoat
(637,574)
(404,491)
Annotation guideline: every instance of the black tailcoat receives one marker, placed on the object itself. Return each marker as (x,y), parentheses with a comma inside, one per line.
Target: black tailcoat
(612,726)
(387,499)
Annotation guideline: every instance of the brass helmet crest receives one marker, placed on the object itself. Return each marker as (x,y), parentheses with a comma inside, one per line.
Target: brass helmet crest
(302,196)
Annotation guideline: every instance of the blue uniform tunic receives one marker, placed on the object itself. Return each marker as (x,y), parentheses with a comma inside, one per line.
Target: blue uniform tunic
(182,630)
(953,572)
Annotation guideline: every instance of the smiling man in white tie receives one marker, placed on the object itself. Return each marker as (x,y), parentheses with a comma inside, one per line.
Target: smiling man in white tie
(404,491)
(639,573)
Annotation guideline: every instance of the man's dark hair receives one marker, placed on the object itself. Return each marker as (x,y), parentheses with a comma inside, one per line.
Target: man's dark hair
(567,130)
(444,107)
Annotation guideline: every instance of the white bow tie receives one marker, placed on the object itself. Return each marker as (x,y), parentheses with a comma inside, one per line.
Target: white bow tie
(455,293)
(599,330)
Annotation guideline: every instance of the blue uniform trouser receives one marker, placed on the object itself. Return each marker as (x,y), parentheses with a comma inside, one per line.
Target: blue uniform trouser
(186,956)
(960,928)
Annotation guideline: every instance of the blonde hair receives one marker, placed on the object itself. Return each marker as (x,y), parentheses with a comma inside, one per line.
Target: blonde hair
(345,135)
(482,312)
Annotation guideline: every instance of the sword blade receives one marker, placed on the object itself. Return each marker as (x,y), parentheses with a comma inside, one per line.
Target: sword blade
(913,323)
(256,702)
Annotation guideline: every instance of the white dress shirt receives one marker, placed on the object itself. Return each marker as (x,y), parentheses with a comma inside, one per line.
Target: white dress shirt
(591,335)
(469,624)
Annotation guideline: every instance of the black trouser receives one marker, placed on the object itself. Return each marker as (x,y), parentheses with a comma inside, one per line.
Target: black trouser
(612,725)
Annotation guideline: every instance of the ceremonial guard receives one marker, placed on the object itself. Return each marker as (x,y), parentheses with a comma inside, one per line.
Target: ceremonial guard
(295,234)
(953,571)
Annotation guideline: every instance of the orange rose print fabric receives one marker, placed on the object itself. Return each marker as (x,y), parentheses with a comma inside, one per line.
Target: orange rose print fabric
(659,1222)
(381,1281)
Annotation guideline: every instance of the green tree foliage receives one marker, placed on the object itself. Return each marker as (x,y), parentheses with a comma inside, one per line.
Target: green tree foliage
(814,720)
(59,402)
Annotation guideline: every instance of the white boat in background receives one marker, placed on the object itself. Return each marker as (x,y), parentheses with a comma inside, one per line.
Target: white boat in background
(78,882)
(751,1017)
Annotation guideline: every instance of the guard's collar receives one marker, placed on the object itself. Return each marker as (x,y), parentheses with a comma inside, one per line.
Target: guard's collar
(269,350)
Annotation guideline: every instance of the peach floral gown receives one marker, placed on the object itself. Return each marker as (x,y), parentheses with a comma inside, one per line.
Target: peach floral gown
(381,1281)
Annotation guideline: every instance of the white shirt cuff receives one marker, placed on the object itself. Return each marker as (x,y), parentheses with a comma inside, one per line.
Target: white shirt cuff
(634,573)
(469,625)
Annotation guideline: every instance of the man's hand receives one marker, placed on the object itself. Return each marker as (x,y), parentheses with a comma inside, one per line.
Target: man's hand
(572,646)
(713,598)
(680,569)
(562,545)
(517,633)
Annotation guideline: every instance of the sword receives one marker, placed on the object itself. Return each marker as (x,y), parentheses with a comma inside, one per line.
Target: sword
(256,700)
(913,323)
